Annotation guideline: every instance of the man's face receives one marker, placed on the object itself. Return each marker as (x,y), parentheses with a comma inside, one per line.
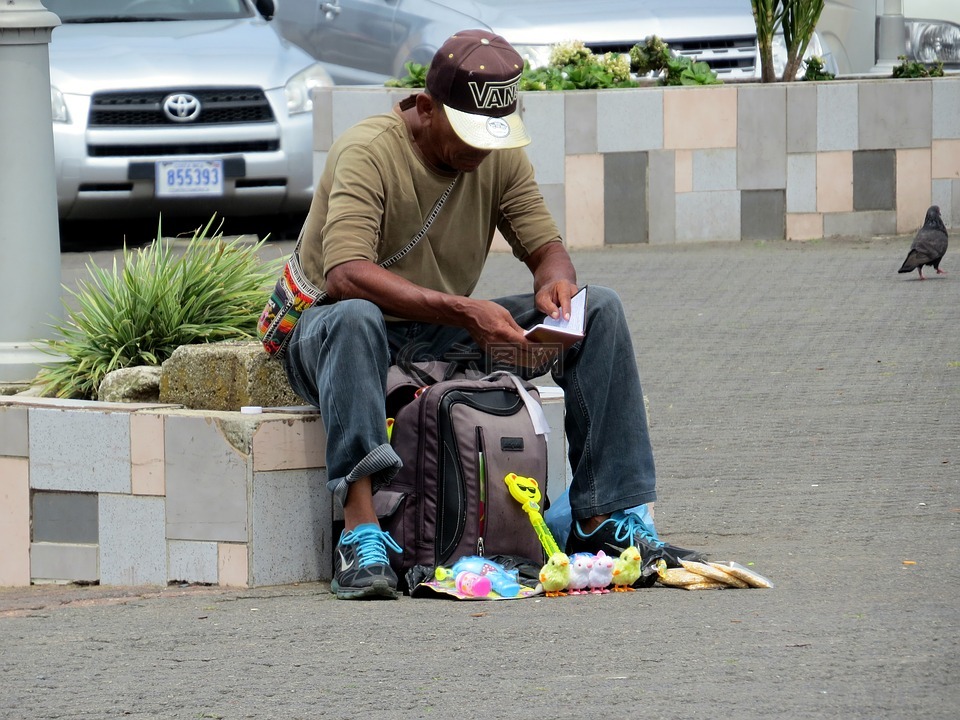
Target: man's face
(450,150)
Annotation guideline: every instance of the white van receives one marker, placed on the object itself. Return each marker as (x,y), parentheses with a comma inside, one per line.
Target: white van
(849,28)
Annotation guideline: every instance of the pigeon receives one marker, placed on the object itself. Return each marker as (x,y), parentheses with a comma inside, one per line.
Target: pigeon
(929,246)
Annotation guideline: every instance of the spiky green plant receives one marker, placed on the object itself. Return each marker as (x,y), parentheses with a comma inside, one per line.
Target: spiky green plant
(159,300)
(800,19)
(797,20)
(767,16)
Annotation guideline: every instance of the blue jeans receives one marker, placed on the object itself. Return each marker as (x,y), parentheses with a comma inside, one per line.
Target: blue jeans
(339,354)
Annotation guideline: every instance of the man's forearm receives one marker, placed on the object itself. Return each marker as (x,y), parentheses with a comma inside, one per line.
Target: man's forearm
(550,264)
(395,295)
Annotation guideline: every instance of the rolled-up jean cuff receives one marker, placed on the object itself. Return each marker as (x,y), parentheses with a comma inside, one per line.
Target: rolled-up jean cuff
(381,464)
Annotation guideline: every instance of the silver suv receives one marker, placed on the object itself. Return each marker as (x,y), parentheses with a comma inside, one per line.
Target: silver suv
(367,41)
(179,108)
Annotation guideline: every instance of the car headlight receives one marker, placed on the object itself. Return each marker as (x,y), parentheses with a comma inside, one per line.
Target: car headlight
(299,86)
(930,41)
(58,106)
(536,55)
(814,47)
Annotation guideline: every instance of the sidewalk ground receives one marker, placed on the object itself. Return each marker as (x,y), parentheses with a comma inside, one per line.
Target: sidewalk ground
(805,407)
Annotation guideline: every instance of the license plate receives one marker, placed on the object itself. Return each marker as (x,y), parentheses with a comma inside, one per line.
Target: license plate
(189,177)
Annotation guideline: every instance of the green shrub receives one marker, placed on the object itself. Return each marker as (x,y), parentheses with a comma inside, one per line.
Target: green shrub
(416,77)
(815,70)
(589,73)
(574,67)
(650,56)
(914,69)
(653,56)
(681,70)
(161,299)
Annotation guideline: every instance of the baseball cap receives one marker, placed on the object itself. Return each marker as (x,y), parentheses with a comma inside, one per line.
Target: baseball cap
(476,76)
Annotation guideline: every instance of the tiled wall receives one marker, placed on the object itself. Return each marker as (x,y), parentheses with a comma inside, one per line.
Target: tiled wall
(730,162)
(148,494)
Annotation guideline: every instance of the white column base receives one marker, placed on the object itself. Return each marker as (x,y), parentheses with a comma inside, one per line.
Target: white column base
(20,361)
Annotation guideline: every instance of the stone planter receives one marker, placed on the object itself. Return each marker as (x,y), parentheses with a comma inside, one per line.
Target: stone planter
(147,494)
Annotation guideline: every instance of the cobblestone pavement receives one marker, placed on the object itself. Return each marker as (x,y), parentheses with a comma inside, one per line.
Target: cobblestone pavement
(805,415)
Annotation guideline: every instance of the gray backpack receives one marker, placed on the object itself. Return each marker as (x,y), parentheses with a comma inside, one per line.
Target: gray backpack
(459,434)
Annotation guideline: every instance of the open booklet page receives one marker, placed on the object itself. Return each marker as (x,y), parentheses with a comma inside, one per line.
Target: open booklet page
(562,331)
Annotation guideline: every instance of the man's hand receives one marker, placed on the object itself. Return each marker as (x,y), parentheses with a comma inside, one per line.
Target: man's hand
(498,335)
(554,299)
(554,279)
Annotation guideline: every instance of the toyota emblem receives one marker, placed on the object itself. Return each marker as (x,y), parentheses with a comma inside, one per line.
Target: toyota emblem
(181,107)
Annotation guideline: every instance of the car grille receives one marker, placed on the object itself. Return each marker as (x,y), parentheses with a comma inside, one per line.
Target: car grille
(144,107)
(730,58)
(205,148)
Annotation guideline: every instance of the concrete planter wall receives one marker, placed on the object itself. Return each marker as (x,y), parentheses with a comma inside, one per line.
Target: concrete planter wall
(125,494)
(128,494)
(733,162)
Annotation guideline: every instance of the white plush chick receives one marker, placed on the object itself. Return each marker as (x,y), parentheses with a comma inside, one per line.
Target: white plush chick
(580,566)
(601,573)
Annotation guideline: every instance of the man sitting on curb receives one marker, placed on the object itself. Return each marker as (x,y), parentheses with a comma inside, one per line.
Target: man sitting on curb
(381,180)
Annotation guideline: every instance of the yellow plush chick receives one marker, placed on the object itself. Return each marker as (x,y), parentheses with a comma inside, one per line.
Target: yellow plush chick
(626,570)
(555,575)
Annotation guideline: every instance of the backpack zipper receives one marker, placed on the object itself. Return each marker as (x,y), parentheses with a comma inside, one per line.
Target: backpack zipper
(418,477)
(482,481)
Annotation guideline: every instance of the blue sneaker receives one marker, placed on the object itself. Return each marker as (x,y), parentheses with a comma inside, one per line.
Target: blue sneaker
(622,530)
(361,566)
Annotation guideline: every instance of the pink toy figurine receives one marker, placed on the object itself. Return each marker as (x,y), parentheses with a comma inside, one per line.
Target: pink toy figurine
(473,585)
